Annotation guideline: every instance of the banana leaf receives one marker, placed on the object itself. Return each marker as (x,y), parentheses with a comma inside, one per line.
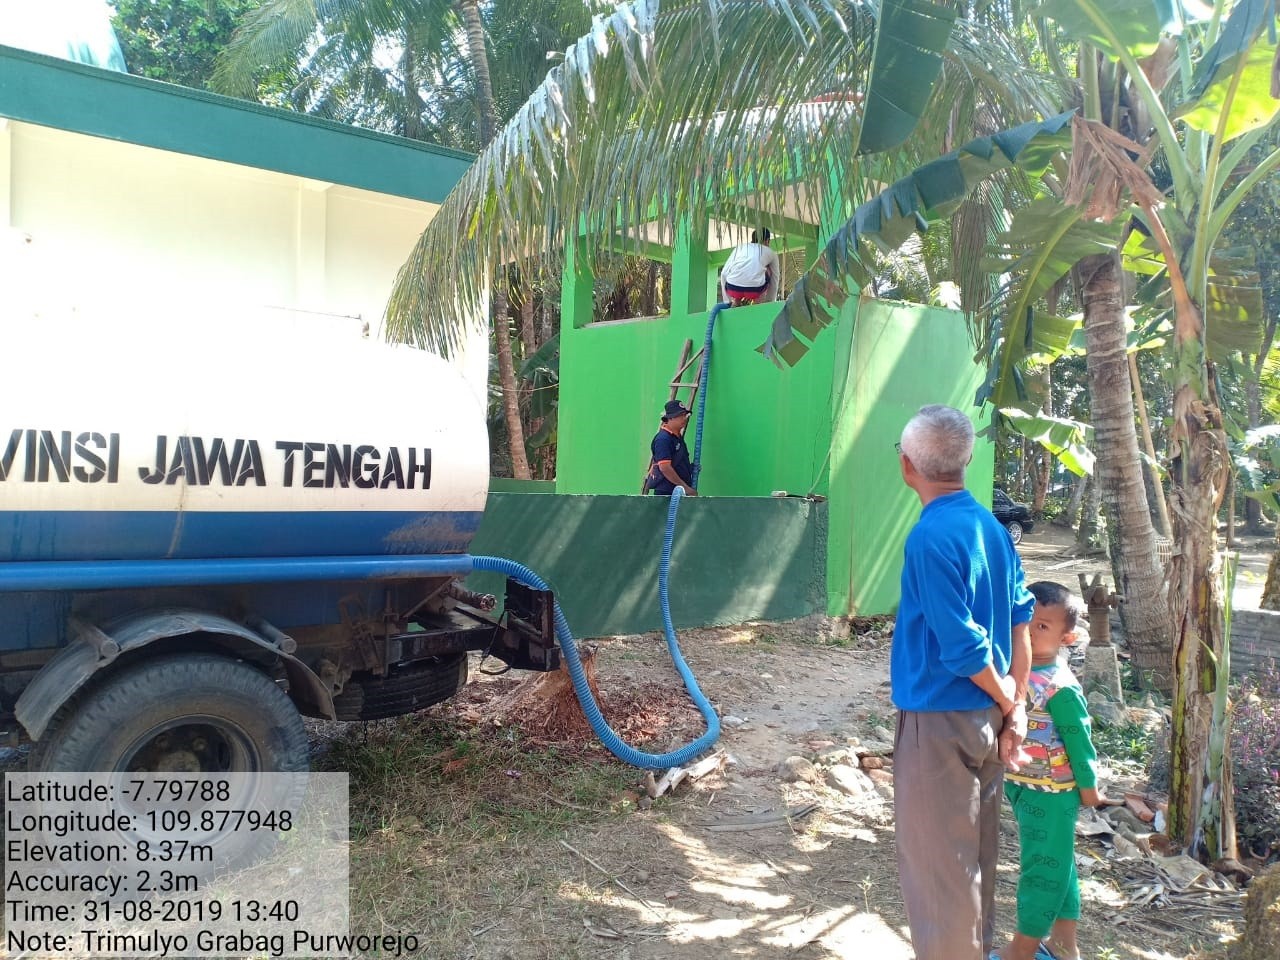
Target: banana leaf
(1046,239)
(1240,49)
(547,357)
(911,36)
(1068,440)
(1134,25)
(1235,310)
(900,210)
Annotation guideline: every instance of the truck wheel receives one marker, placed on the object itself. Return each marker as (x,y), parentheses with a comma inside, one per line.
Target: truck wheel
(406,689)
(188,713)
(1015,531)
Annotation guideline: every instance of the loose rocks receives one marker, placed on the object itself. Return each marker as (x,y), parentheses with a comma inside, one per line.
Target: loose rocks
(796,768)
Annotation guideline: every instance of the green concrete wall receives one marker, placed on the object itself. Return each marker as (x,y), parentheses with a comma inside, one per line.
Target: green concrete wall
(767,429)
(827,425)
(733,560)
(901,357)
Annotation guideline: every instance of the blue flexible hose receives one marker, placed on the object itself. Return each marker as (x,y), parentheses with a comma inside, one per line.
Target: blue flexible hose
(702,391)
(569,647)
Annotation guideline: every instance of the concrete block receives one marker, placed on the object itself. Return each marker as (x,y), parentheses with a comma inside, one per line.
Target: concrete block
(1102,671)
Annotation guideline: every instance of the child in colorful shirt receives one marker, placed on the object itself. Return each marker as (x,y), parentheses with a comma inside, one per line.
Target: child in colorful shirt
(1058,776)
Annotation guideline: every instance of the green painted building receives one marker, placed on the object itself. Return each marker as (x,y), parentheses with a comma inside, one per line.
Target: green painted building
(824,428)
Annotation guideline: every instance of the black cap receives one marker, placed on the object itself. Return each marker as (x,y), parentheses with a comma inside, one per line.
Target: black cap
(675,409)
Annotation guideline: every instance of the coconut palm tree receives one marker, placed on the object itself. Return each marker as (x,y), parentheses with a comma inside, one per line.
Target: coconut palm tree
(369,62)
(662,107)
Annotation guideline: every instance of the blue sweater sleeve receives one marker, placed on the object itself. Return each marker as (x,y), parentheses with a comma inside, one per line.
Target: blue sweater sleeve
(1023,601)
(964,646)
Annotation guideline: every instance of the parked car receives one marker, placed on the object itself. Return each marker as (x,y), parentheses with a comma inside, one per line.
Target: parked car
(1016,517)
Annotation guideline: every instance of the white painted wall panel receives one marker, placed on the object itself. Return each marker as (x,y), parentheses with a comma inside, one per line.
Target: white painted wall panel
(124,229)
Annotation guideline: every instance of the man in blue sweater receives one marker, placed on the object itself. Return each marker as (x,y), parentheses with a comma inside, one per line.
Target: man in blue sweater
(959,666)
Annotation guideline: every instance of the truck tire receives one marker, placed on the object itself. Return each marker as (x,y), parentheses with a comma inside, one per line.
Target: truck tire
(188,713)
(185,713)
(411,687)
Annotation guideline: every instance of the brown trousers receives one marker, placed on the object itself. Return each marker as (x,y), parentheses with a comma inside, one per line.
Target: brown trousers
(947,777)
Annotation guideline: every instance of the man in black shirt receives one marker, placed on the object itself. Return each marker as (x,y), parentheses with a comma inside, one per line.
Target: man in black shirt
(670,467)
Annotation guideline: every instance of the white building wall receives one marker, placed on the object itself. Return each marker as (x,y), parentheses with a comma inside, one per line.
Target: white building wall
(94,226)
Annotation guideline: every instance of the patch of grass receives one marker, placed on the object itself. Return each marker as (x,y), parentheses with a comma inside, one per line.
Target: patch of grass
(825,640)
(1134,681)
(1129,744)
(882,723)
(438,806)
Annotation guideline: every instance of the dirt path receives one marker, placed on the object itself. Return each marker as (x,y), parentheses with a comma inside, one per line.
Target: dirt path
(823,886)
(1045,556)
(476,859)
(686,881)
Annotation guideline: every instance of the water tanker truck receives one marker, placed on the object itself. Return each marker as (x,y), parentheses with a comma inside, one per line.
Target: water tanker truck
(208,531)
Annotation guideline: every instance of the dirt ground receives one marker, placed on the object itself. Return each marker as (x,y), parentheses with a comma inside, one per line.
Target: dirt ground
(1045,556)
(547,854)
(697,876)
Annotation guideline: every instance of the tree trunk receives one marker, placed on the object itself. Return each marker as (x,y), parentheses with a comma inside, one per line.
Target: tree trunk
(507,376)
(545,329)
(650,306)
(1231,509)
(1070,517)
(1043,472)
(1271,589)
(487,114)
(485,109)
(1157,488)
(1139,579)
(1018,490)
(546,704)
(1091,535)
(1261,937)
(414,128)
(1253,403)
(1201,811)
(1044,468)
(528,331)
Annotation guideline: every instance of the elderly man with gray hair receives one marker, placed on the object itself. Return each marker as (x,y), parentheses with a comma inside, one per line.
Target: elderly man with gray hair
(959,666)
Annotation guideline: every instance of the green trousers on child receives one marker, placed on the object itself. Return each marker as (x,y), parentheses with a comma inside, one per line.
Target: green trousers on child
(1048,889)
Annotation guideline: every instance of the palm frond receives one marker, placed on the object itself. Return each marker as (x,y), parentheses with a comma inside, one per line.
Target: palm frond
(1045,241)
(888,219)
(285,29)
(661,113)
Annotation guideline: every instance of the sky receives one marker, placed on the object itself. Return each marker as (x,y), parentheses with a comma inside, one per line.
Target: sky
(77,30)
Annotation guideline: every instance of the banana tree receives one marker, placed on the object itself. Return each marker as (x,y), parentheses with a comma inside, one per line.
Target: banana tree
(1226,105)
(1101,189)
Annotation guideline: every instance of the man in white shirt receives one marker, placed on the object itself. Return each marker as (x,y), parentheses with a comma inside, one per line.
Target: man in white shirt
(752,271)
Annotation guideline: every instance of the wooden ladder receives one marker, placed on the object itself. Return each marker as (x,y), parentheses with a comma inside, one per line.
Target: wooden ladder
(678,383)
(687,359)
